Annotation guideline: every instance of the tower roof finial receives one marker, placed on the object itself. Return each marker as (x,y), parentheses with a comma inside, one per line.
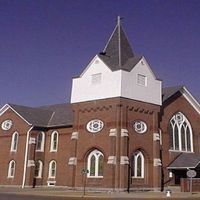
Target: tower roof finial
(118,20)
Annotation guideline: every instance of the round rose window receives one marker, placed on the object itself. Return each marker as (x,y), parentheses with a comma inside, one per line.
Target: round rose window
(6,125)
(140,126)
(94,126)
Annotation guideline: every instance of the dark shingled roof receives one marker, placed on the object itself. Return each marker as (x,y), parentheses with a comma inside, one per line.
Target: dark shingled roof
(185,160)
(46,116)
(62,114)
(170,91)
(111,55)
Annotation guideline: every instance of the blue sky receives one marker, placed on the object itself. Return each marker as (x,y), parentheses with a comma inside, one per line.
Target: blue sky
(44,43)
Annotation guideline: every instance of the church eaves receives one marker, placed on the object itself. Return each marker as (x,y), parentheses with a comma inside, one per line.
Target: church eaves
(118,54)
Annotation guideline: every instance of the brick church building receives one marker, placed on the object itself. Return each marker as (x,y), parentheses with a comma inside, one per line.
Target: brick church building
(121,130)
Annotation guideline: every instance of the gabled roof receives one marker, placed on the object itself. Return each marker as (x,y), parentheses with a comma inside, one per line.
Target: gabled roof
(169,92)
(185,160)
(45,116)
(33,116)
(118,53)
(62,114)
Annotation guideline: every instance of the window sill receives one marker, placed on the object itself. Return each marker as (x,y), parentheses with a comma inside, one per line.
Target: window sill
(94,176)
(10,177)
(137,177)
(53,151)
(179,151)
(40,150)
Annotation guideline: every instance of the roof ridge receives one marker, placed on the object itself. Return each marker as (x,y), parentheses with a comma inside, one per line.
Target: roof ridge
(175,86)
(50,105)
(49,122)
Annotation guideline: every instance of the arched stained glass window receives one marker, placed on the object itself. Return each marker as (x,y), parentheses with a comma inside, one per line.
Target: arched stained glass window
(14,142)
(95,164)
(138,165)
(52,169)
(11,169)
(180,133)
(54,141)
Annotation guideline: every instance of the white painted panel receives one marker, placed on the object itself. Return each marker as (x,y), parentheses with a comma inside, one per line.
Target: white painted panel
(116,84)
(84,90)
(150,93)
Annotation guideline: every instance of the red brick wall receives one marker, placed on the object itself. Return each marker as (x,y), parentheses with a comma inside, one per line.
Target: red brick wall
(61,157)
(6,156)
(186,184)
(177,104)
(116,113)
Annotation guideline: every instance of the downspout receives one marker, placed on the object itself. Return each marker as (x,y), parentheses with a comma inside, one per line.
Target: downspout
(161,159)
(26,157)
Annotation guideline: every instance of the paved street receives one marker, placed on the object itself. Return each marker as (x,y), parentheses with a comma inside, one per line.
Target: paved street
(4,196)
(64,194)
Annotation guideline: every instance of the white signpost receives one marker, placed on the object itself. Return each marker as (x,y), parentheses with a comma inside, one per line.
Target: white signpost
(191,174)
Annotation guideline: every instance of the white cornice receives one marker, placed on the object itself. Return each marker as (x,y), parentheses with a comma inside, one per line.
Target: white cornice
(193,102)
(6,107)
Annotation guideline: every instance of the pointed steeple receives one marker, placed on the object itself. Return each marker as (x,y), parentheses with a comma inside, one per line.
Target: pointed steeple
(118,53)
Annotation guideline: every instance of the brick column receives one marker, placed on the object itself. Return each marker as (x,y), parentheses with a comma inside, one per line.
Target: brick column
(124,159)
(156,153)
(30,175)
(73,158)
(112,156)
(72,162)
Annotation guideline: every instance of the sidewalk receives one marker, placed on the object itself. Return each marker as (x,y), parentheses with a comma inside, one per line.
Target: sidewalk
(63,192)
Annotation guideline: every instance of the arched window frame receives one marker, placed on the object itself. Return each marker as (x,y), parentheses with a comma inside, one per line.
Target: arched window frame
(54,141)
(52,169)
(40,141)
(14,142)
(136,156)
(38,169)
(11,169)
(97,154)
(178,123)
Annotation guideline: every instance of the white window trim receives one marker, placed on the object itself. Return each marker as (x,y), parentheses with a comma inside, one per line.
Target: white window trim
(52,136)
(179,134)
(50,169)
(12,142)
(9,169)
(136,155)
(94,152)
(42,143)
(40,169)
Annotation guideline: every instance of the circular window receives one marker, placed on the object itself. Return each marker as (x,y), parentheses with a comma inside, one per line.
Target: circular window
(179,117)
(6,125)
(140,126)
(94,126)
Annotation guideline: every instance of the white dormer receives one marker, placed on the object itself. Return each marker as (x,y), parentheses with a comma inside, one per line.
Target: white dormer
(141,84)
(96,82)
(117,72)
(99,82)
